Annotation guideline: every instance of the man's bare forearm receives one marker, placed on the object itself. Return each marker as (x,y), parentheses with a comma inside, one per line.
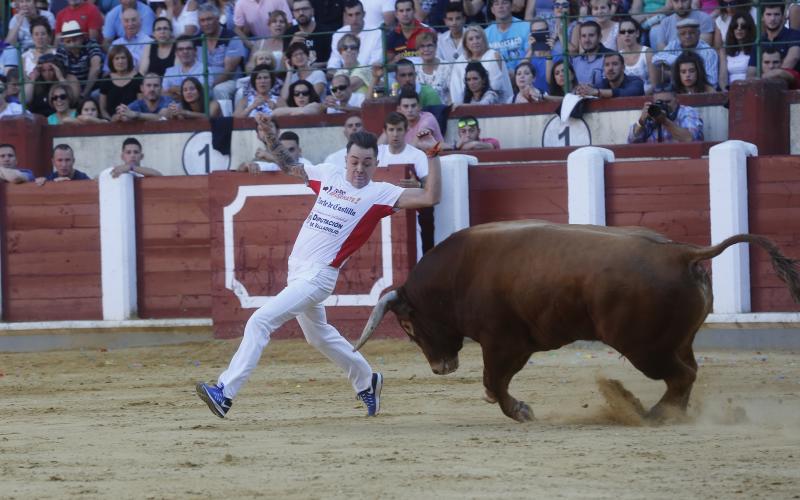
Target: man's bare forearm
(282,157)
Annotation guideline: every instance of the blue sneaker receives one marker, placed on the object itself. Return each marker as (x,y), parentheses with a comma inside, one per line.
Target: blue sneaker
(372,396)
(216,401)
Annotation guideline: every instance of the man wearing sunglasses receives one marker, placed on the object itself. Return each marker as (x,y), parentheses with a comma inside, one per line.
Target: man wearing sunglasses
(469,136)
(342,99)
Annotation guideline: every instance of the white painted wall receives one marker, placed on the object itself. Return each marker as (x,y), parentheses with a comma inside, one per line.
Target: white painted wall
(610,127)
(794,129)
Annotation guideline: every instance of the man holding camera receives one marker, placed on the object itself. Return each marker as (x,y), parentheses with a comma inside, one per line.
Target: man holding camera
(664,120)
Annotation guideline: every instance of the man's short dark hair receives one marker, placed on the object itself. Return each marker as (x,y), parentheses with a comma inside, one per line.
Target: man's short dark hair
(364,140)
(398,2)
(591,23)
(407,92)
(773,5)
(129,141)
(289,136)
(350,4)
(403,62)
(614,54)
(7,145)
(185,38)
(294,47)
(62,147)
(454,7)
(770,51)
(395,118)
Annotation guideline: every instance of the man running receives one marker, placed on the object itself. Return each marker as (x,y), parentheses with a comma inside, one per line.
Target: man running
(348,207)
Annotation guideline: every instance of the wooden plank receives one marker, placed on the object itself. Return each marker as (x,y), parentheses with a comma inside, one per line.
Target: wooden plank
(45,241)
(49,309)
(66,285)
(178,234)
(53,264)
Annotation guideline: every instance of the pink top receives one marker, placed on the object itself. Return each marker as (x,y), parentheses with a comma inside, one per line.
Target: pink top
(254,14)
(426,120)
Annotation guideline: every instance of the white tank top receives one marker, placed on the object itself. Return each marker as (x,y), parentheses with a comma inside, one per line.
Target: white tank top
(640,67)
(343,217)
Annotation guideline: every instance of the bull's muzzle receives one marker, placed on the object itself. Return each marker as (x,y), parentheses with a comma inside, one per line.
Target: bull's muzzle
(445,366)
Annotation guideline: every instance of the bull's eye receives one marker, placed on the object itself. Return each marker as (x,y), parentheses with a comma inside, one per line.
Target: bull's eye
(408,327)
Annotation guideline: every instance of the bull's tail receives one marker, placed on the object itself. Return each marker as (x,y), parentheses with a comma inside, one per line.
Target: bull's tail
(784,267)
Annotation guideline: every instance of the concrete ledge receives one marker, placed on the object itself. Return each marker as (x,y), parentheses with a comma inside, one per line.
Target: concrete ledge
(753,320)
(56,335)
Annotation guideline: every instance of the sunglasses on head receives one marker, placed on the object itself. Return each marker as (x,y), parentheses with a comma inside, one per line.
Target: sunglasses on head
(301,93)
(60,97)
(627,32)
(340,88)
(469,122)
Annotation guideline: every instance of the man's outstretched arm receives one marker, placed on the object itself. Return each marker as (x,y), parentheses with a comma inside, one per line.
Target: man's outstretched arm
(283,158)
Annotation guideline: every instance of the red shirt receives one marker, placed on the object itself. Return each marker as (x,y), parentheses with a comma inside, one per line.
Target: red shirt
(397,43)
(87,15)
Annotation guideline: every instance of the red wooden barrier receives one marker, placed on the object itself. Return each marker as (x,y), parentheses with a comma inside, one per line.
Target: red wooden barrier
(51,269)
(773,186)
(173,241)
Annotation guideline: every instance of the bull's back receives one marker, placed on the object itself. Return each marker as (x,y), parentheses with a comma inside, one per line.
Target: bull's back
(555,280)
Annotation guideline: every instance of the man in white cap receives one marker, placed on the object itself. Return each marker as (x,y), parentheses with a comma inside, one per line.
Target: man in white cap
(667,30)
(85,14)
(688,39)
(81,57)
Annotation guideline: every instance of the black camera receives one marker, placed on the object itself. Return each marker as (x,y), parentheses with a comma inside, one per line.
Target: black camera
(657,109)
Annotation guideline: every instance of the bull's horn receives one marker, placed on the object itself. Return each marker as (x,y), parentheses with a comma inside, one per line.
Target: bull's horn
(375,318)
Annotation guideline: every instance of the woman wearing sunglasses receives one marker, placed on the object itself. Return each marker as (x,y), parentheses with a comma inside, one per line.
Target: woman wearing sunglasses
(637,56)
(302,100)
(728,9)
(61,102)
(734,56)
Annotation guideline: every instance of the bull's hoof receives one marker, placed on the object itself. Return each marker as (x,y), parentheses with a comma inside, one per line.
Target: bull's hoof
(523,412)
(489,397)
(663,414)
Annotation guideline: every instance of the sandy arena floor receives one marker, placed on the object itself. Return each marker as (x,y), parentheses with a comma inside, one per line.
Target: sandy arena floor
(127,424)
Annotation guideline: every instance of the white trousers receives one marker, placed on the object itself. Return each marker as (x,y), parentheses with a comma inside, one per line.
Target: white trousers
(308,286)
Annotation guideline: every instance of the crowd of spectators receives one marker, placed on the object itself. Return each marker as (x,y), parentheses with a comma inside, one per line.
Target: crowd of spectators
(88,61)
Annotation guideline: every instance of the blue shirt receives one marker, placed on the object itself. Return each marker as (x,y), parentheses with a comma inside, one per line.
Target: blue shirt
(112,27)
(140,106)
(228,45)
(512,43)
(174,76)
(77,175)
(29,177)
(589,68)
(631,86)
(786,39)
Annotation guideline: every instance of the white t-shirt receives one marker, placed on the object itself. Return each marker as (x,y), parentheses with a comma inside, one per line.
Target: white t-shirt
(11,109)
(373,12)
(371,50)
(343,217)
(408,156)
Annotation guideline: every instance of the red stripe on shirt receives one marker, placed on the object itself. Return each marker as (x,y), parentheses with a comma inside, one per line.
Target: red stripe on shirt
(315,186)
(361,232)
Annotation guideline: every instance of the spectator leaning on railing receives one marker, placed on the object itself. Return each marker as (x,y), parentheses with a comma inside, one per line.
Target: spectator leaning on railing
(152,106)
(615,82)
(63,163)
(665,120)
(132,156)
(9,170)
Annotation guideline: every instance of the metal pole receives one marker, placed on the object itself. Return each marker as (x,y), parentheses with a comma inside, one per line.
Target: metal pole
(565,51)
(760,16)
(206,87)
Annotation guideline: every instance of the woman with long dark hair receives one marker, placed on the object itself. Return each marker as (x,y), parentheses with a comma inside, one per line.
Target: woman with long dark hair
(555,91)
(302,100)
(477,89)
(689,74)
(193,104)
(734,56)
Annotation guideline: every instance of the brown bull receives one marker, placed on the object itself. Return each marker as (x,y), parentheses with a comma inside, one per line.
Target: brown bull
(521,287)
